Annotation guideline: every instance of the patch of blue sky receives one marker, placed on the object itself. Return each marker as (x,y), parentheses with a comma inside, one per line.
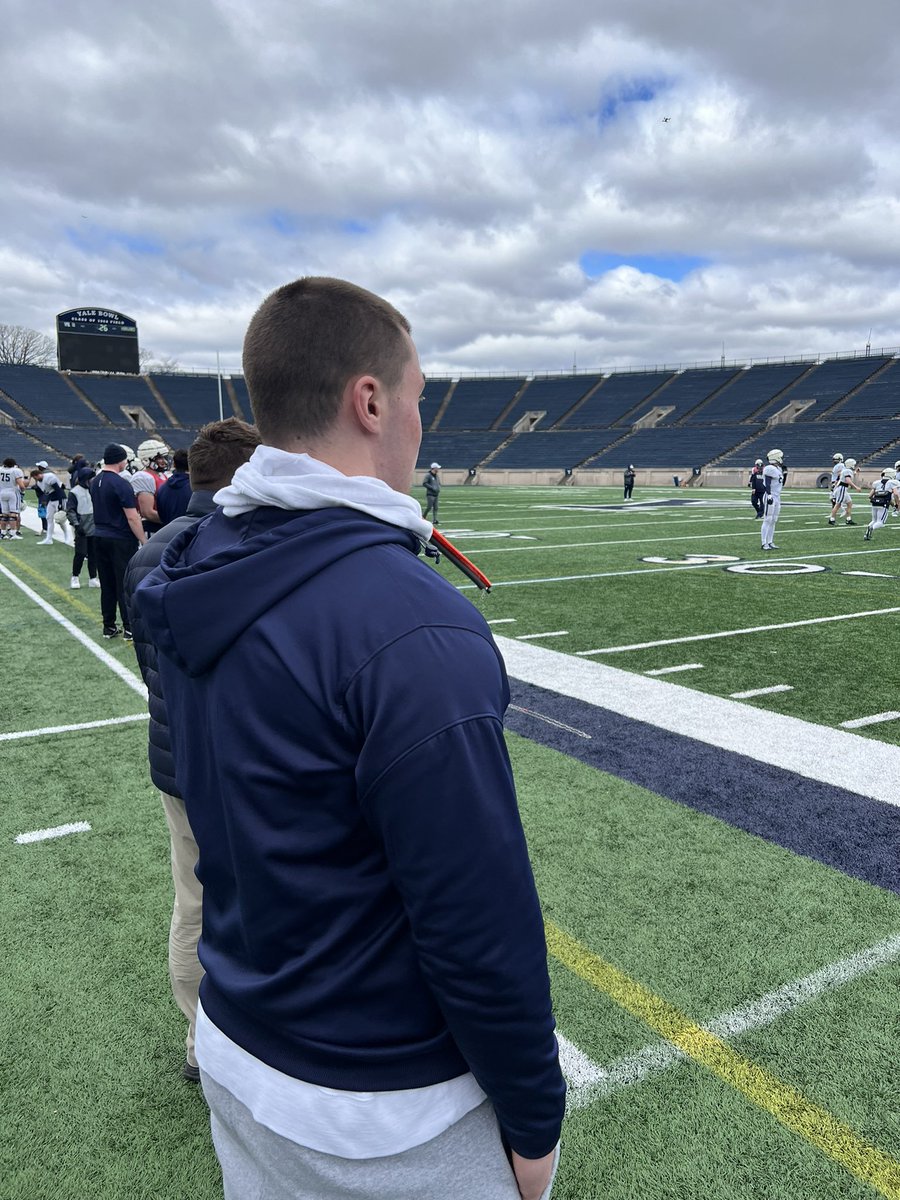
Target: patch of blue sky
(632,91)
(94,239)
(667,266)
(355,228)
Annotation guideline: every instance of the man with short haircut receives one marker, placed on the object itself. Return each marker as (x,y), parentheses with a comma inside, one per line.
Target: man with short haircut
(173,497)
(375,1016)
(220,448)
(117,534)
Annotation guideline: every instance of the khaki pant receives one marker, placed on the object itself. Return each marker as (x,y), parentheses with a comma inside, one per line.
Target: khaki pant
(185,971)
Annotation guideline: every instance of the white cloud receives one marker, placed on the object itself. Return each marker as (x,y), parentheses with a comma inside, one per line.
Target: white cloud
(178,162)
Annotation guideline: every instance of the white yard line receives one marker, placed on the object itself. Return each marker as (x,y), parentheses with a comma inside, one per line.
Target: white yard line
(529,637)
(89,644)
(724,633)
(503,621)
(470,587)
(766,691)
(673,670)
(687,537)
(588,1081)
(877,719)
(869,574)
(30,733)
(43,835)
(859,765)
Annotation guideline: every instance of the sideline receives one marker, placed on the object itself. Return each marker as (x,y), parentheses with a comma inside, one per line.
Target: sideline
(89,644)
(845,760)
(30,733)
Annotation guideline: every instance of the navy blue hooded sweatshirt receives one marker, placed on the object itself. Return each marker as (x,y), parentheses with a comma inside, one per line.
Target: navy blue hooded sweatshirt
(370,920)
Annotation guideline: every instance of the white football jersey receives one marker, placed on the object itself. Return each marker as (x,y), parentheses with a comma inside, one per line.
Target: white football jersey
(8,477)
(846,476)
(836,473)
(774,475)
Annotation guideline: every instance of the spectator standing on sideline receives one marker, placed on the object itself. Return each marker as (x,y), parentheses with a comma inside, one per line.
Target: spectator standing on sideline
(173,497)
(214,457)
(54,498)
(80,515)
(757,486)
(117,534)
(432,486)
(11,477)
(376,982)
(630,477)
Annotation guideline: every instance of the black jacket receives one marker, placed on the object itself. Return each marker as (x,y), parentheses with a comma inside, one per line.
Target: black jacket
(162,767)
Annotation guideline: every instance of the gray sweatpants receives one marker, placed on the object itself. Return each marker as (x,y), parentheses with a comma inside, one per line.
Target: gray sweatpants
(465,1162)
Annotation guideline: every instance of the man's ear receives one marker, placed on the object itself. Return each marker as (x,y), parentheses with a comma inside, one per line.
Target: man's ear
(366,401)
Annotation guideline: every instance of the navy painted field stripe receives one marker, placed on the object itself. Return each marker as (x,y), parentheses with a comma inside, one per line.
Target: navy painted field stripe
(852,833)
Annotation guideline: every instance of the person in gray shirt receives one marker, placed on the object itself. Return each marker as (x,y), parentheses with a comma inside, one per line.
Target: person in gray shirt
(432,486)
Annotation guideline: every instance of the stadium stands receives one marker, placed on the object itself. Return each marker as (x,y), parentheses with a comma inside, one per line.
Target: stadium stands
(434,393)
(879,396)
(616,396)
(828,383)
(46,394)
(685,392)
(478,403)
(812,443)
(718,415)
(194,399)
(553,396)
(683,446)
(566,448)
(749,390)
(112,393)
(457,450)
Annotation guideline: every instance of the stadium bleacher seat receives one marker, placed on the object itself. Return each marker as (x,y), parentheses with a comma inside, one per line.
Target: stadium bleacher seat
(686,391)
(194,399)
(565,448)
(617,395)
(686,446)
(478,403)
(111,393)
(827,384)
(46,394)
(553,396)
(748,391)
(812,443)
(456,450)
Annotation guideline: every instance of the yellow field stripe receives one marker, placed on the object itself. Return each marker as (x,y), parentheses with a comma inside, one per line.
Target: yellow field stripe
(21,565)
(785,1103)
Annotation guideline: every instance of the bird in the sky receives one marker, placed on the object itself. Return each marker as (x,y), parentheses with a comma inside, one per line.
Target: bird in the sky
(666,120)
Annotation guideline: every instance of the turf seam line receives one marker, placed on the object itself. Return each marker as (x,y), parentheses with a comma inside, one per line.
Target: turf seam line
(787,1104)
(114,665)
(30,733)
(529,712)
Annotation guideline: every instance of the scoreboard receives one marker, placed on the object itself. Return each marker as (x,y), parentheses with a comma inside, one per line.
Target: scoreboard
(97,339)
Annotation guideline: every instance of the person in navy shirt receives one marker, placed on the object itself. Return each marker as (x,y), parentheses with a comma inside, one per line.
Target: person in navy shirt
(117,534)
(173,497)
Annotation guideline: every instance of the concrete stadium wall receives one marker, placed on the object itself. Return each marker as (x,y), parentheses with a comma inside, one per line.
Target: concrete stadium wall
(718,477)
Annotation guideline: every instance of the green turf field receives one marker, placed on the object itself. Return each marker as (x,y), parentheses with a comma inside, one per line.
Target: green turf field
(774,975)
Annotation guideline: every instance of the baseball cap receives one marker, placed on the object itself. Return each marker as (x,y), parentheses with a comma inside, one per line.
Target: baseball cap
(435,467)
(43,464)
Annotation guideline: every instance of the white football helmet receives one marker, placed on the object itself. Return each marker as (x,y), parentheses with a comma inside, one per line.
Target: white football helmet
(837,458)
(888,473)
(897,465)
(776,457)
(130,460)
(851,463)
(151,451)
(758,463)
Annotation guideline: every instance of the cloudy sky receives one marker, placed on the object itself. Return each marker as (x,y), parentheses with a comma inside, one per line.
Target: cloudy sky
(533,184)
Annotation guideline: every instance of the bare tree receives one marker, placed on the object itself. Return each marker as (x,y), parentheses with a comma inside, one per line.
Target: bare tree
(26,347)
(152,365)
